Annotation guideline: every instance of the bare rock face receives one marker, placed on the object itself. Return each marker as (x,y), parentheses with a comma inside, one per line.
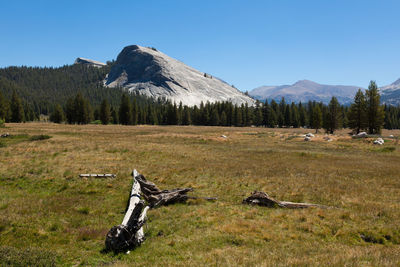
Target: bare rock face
(152,73)
(89,62)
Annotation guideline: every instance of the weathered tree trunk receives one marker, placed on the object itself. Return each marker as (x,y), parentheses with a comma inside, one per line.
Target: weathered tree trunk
(263,199)
(102,175)
(156,197)
(130,233)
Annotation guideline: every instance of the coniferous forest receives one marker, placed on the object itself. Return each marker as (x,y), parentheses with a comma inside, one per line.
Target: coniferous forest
(75,94)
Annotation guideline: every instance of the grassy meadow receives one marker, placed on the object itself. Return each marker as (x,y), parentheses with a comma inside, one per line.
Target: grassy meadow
(50,216)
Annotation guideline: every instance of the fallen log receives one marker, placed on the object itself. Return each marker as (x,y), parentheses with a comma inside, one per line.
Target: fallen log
(129,234)
(156,197)
(263,199)
(102,175)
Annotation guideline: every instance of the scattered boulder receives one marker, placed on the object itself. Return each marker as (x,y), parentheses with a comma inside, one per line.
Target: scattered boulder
(307,138)
(310,135)
(5,135)
(361,135)
(379,141)
(391,136)
(224,136)
(327,138)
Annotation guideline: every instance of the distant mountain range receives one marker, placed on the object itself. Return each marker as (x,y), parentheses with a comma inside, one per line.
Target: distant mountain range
(306,90)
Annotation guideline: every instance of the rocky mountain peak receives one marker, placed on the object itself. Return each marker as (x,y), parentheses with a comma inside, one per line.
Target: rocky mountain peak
(152,73)
(89,62)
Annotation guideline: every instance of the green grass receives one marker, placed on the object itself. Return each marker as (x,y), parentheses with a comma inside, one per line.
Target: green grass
(39,137)
(45,205)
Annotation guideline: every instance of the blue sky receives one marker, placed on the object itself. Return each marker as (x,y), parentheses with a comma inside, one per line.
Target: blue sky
(246,43)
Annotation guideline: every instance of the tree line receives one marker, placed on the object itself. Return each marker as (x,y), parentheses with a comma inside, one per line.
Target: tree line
(365,113)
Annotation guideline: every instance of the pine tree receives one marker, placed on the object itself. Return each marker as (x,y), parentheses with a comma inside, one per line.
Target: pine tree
(375,112)
(288,116)
(238,116)
(186,119)
(272,118)
(125,110)
(295,116)
(70,111)
(224,119)
(105,113)
(3,107)
(316,118)
(357,115)
(114,116)
(214,119)
(302,115)
(58,114)
(17,110)
(135,112)
(333,119)
(258,115)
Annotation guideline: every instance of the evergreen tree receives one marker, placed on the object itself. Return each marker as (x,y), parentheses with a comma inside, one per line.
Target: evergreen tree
(172,114)
(375,112)
(357,115)
(214,119)
(135,112)
(114,115)
(58,114)
(302,115)
(186,119)
(333,116)
(295,116)
(238,116)
(272,118)
(3,107)
(105,112)
(125,110)
(224,119)
(70,111)
(288,116)
(316,118)
(17,110)
(258,115)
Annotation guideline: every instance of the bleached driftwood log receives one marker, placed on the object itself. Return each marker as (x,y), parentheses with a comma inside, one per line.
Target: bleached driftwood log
(101,175)
(156,197)
(263,199)
(129,233)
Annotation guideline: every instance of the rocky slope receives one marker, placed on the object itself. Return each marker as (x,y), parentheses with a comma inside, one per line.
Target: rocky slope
(390,94)
(154,74)
(89,62)
(304,91)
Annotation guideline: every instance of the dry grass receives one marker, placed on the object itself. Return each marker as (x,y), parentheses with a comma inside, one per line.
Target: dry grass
(44,204)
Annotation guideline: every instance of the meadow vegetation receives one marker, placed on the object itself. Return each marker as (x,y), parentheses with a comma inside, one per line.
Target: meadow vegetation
(49,216)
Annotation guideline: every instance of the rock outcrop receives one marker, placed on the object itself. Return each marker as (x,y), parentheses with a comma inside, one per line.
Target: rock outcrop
(149,72)
(89,62)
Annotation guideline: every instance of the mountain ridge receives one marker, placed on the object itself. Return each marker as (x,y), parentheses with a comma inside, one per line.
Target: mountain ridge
(304,91)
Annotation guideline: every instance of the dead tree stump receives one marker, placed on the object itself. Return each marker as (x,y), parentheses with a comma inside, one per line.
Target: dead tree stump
(129,234)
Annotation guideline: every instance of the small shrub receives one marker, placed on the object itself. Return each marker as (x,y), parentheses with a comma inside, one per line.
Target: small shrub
(2,143)
(39,137)
(2,123)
